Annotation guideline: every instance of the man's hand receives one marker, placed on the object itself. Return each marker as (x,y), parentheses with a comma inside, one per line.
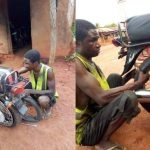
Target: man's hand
(28,91)
(142,79)
(23,70)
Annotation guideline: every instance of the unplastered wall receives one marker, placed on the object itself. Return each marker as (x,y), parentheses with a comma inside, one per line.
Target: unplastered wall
(63,27)
(40,26)
(5,46)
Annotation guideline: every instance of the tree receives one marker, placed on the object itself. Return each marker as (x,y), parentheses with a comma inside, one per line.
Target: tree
(97,25)
(112,25)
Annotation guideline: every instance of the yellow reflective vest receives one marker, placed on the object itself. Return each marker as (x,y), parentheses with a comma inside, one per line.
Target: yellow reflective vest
(83,115)
(41,83)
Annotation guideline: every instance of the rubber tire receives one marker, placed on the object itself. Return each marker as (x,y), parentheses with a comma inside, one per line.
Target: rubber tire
(16,117)
(136,78)
(33,103)
(114,80)
(146,106)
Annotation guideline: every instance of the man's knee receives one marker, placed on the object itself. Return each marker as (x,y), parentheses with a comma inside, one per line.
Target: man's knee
(131,108)
(132,98)
(44,101)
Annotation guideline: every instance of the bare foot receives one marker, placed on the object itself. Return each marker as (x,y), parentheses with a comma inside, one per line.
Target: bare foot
(108,145)
(47,113)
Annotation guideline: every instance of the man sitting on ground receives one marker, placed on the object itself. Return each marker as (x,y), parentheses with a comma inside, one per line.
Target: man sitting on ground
(42,80)
(100,111)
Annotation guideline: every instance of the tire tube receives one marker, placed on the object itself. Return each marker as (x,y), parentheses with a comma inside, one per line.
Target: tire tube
(33,103)
(16,117)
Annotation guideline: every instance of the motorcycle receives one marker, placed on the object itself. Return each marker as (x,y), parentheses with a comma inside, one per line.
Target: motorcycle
(134,43)
(134,40)
(15,105)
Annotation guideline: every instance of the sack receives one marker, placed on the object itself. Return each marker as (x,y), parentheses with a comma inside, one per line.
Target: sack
(138,28)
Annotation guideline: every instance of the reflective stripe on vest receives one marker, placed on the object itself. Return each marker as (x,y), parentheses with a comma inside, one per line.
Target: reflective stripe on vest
(99,76)
(42,78)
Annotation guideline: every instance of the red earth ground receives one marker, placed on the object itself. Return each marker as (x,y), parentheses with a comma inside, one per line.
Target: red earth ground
(136,135)
(58,131)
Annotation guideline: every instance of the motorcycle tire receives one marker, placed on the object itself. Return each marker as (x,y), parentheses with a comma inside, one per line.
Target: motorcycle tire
(35,114)
(136,78)
(146,106)
(12,117)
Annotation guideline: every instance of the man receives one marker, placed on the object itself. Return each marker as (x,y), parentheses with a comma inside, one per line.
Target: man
(42,80)
(100,111)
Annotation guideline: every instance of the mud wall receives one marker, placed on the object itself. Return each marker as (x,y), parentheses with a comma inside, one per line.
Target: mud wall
(5,44)
(64,35)
(40,26)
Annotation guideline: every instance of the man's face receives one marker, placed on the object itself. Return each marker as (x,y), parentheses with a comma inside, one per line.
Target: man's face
(28,64)
(90,45)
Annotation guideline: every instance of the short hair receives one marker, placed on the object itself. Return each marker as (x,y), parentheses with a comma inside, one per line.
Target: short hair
(33,55)
(82,28)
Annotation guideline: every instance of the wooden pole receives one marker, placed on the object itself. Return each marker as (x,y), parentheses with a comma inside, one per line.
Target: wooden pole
(53,37)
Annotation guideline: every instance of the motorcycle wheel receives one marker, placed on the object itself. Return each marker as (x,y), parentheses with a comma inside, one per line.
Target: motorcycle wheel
(34,113)
(11,116)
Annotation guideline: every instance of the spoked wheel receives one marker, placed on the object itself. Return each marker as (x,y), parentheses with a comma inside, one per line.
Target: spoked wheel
(9,117)
(34,113)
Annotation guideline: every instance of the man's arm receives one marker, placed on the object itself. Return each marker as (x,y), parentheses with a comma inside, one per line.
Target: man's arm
(23,70)
(90,86)
(51,85)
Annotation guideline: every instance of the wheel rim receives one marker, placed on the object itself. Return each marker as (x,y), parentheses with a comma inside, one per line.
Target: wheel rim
(2,117)
(8,118)
(31,114)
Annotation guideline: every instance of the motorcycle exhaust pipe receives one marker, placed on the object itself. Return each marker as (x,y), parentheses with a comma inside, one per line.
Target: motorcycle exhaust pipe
(143,93)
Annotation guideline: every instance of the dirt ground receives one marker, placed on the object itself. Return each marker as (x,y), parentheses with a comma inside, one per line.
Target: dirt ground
(55,133)
(136,135)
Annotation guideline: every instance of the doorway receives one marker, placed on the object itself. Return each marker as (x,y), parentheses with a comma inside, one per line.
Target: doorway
(20,24)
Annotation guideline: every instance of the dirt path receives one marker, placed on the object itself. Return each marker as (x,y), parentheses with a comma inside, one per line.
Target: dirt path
(55,133)
(136,135)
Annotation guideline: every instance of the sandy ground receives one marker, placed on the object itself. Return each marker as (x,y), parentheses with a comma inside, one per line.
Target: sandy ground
(136,135)
(55,133)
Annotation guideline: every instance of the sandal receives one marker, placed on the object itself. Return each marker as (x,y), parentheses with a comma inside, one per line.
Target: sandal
(115,147)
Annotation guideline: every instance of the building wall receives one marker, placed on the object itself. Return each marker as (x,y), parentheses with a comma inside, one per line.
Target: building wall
(5,45)
(64,36)
(40,26)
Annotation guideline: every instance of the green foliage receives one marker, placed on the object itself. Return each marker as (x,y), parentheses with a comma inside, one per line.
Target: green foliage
(111,25)
(97,25)
(73,29)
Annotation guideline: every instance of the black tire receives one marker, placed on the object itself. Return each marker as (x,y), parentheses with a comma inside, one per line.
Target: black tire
(12,117)
(136,78)
(30,102)
(114,80)
(146,106)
